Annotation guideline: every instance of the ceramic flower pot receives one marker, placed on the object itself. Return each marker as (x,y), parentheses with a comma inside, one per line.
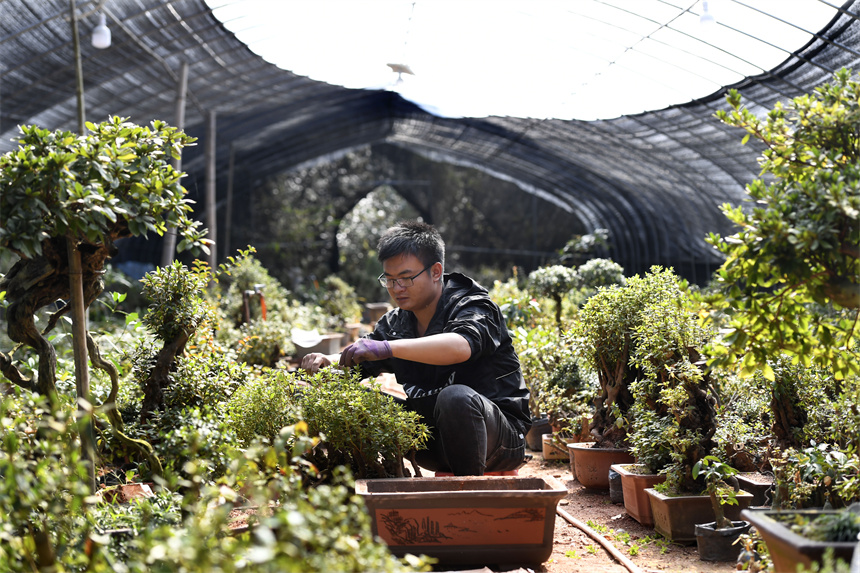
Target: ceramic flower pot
(633,485)
(590,465)
(719,544)
(788,549)
(465,520)
(675,517)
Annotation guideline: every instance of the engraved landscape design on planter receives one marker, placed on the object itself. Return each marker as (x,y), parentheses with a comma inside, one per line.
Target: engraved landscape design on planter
(458,526)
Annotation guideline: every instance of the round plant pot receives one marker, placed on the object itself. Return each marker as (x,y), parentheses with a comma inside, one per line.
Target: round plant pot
(719,544)
(590,465)
(540,426)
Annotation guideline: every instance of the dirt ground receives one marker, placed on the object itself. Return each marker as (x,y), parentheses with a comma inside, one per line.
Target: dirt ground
(574,550)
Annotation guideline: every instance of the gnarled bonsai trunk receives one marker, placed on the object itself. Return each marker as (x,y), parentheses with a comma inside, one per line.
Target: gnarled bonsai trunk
(159,376)
(35,283)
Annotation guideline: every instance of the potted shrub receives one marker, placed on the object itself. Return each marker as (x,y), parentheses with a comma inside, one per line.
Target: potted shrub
(716,540)
(612,326)
(553,282)
(804,537)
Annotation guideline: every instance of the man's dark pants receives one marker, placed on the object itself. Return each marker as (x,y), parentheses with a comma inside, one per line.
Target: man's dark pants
(471,435)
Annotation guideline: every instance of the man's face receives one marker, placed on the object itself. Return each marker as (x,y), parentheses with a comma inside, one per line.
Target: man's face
(423,291)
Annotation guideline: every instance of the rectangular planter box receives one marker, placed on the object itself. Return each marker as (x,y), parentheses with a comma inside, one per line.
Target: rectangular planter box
(465,520)
(761,486)
(633,485)
(552,451)
(330,343)
(675,517)
(788,549)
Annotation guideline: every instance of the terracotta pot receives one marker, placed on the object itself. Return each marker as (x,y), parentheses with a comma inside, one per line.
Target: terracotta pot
(760,485)
(633,484)
(465,520)
(788,549)
(590,466)
(675,517)
(719,544)
(534,437)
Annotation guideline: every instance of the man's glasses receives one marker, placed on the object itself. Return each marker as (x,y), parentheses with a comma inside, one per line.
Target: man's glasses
(404,282)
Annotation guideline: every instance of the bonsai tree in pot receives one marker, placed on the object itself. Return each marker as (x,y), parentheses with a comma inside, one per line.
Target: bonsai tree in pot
(716,540)
(606,337)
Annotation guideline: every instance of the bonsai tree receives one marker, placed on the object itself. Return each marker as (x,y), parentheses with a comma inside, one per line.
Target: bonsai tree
(606,337)
(791,280)
(673,418)
(553,282)
(717,476)
(64,196)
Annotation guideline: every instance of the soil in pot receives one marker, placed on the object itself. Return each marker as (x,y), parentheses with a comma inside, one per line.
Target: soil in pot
(719,544)
(758,484)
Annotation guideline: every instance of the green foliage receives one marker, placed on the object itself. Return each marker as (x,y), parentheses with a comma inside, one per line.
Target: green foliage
(260,408)
(673,419)
(44,488)
(842,525)
(115,181)
(743,422)
(716,473)
(558,384)
(816,476)
(637,331)
(177,306)
(518,306)
(597,273)
(798,248)
(363,428)
(48,521)
(336,304)
(554,282)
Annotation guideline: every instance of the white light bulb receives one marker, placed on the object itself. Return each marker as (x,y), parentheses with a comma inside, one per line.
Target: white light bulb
(101,34)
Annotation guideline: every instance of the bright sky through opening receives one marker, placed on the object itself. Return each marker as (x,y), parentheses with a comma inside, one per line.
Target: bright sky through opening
(573,59)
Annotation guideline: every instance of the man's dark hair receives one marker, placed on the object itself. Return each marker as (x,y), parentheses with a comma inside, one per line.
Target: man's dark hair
(412,238)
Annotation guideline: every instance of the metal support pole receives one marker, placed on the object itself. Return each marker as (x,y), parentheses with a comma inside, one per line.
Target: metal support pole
(228,214)
(76,289)
(169,246)
(211,221)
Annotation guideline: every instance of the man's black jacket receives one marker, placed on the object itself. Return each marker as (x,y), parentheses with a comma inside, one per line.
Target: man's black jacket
(493,370)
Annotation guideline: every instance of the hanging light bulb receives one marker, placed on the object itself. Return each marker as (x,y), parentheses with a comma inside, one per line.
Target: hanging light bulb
(101,34)
(706,19)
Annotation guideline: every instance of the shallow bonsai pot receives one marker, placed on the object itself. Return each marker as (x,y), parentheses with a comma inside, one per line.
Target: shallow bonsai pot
(633,485)
(788,549)
(719,544)
(590,466)
(675,517)
(465,520)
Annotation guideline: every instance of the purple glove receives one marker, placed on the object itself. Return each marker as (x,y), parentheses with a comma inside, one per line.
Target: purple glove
(365,349)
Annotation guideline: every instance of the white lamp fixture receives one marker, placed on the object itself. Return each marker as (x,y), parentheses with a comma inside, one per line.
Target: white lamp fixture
(706,19)
(101,34)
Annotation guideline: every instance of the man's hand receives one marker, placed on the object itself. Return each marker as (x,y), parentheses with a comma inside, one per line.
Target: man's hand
(314,362)
(365,349)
